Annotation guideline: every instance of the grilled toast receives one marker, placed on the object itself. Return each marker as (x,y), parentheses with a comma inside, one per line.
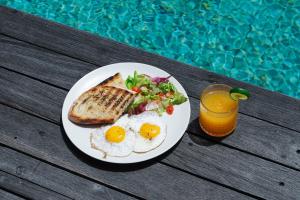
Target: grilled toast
(104,103)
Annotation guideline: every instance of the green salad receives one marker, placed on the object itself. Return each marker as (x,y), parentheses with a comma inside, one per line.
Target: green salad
(154,94)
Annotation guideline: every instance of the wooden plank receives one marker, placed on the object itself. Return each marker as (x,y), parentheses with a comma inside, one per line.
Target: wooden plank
(264,104)
(235,169)
(35,61)
(150,180)
(14,92)
(230,167)
(30,97)
(53,178)
(4,195)
(27,189)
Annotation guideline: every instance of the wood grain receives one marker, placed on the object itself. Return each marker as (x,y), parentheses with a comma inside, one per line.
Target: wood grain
(4,195)
(230,167)
(264,104)
(150,180)
(235,169)
(40,63)
(53,178)
(27,189)
(252,135)
(29,96)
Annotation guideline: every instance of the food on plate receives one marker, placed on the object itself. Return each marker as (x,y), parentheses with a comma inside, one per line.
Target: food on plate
(104,103)
(114,140)
(149,131)
(143,98)
(137,133)
(153,93)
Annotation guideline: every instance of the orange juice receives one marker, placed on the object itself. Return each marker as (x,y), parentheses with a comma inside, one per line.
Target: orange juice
(218,111)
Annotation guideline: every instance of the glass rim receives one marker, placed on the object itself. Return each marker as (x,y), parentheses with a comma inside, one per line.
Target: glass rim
(219,113)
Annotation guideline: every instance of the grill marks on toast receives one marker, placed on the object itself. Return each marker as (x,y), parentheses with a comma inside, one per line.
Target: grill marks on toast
(112,106)
(104,103)
(87,98)
(112,96)
(104,96)
(121,102)
(107,97)
(117,100)
(124,102)
(99,97)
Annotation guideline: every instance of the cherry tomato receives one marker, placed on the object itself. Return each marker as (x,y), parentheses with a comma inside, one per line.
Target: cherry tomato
(170,109)
(136,89)
(161,94)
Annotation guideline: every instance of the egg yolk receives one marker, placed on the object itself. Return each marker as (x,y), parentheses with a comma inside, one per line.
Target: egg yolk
(115,134)
(149,131)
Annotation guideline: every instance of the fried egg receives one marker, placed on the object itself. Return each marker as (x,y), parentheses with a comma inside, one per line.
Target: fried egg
(114,140)
(149,131)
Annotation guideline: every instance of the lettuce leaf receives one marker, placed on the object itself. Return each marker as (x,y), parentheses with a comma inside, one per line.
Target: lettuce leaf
(151,89)
(178,98)
(167,87)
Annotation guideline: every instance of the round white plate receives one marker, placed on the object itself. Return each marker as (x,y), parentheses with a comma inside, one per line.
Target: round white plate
(176,123)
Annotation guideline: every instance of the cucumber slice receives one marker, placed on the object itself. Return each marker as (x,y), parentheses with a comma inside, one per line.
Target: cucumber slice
(239,94)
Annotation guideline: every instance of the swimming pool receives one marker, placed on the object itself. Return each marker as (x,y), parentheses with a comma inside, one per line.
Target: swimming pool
(256,41)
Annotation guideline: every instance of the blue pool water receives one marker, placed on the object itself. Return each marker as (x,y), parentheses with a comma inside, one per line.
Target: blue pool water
(256,41)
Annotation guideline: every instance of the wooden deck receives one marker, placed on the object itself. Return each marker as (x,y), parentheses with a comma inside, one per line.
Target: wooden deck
(41,60)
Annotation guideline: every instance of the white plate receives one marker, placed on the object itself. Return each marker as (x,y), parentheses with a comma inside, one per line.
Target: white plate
(176,123)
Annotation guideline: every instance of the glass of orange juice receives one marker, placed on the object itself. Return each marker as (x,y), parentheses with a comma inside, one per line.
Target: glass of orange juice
(218,110)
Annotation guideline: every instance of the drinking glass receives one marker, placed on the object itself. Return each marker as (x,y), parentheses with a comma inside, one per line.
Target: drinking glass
(218,111)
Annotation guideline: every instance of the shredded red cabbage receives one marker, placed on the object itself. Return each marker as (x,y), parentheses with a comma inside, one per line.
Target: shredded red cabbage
(139,109)
(142,107)
(159,80)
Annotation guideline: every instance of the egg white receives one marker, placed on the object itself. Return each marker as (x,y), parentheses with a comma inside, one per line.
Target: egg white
(121,149)
(143,144)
